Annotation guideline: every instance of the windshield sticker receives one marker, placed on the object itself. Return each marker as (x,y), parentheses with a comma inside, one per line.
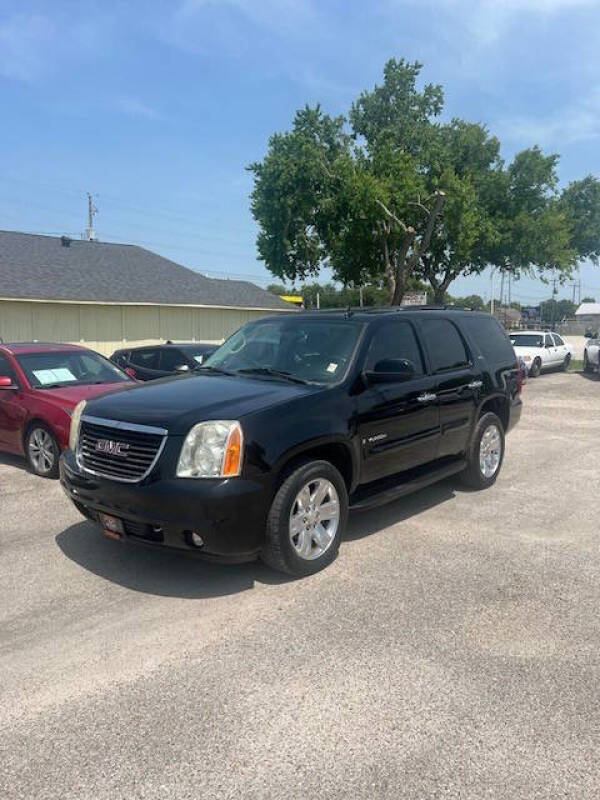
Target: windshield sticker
(59,375)
(199,359)
(332,367)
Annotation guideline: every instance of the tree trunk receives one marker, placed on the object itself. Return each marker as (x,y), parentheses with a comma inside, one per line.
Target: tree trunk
(402,267)
(390,276)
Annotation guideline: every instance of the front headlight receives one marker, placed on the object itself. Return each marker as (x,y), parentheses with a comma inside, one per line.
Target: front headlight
(75,424)
(212,450)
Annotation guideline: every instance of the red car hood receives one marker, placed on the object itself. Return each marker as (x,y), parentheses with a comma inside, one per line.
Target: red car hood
(69,396)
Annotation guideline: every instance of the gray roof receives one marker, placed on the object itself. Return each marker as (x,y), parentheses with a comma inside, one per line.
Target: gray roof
(41,268)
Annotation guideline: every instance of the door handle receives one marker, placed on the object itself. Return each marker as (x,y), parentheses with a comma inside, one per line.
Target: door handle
(475,385)
(427,397)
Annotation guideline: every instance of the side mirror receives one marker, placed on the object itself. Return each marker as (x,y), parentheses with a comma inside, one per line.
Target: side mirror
(6,383)
(182,368)
(391,370)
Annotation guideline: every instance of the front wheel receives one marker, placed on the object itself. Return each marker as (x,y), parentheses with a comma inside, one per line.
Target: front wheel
(42,451)
(307,519)
(536,368)
(485,453)
(566,363)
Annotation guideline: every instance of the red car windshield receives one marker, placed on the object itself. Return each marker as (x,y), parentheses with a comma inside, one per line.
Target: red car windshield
(69,368)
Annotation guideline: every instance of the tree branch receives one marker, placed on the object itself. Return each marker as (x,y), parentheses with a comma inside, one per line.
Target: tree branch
(393,216)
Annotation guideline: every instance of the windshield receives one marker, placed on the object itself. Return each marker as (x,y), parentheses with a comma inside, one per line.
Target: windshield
(527,340)
(69,368)
(311,350)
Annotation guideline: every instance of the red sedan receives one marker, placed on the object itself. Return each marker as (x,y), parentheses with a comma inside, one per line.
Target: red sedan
(40,385)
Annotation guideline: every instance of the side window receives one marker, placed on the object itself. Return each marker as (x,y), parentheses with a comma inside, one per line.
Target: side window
(145,358)
(171,358)
(557,340)
(394,340)
(548,341)
(444,344)
(6,370)
(490,337)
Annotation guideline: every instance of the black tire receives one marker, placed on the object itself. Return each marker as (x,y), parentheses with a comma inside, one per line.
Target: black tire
(566,363)
(536,368)
(587,367)
(473,475)
(278,551)
(41,465)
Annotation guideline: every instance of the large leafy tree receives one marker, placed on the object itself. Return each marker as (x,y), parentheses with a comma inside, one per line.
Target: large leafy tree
(391,194)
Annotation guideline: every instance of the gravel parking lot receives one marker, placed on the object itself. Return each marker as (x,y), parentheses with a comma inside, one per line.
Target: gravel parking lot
(450,652)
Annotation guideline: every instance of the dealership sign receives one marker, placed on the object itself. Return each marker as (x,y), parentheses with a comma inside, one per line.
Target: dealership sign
(414,299)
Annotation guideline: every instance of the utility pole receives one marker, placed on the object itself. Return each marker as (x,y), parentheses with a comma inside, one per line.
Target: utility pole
(90,233)
(492,290)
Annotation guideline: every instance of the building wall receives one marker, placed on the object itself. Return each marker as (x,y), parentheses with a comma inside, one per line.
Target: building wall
(106,328)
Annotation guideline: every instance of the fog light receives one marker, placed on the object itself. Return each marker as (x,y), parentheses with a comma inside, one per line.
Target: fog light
(197,540)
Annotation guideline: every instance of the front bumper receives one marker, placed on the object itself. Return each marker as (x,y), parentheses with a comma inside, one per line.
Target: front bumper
(229,514)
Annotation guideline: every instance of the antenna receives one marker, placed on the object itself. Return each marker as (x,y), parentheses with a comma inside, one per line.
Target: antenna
(90,233)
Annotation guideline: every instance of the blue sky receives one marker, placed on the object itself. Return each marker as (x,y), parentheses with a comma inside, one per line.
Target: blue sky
(158,106)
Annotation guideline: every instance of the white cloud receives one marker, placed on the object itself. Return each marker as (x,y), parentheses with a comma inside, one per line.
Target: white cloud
(576,122)
(134,107)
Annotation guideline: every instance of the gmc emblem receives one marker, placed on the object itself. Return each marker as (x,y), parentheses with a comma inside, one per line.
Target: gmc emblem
(112,448)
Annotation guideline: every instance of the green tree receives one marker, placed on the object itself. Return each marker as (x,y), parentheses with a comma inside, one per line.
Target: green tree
(389,193)
(555,310)
(589,300)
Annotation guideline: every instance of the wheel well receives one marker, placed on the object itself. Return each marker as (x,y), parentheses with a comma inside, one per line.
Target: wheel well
(29,426)
(336,453)
(499,406)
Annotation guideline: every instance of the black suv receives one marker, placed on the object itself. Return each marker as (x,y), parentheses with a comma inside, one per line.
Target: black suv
(159,360)
(294,420)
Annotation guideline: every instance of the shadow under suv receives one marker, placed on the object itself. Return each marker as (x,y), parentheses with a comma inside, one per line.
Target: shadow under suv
(294,421)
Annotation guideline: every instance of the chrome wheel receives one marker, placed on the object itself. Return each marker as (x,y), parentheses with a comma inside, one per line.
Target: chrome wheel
(314,519)
(41,450)
(490,451)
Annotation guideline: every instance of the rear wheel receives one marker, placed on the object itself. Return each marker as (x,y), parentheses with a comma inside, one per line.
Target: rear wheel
(307,519)
(536,368)
(485,453)
(42,451)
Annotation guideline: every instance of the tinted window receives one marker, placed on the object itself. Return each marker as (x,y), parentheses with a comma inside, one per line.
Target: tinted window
(557,340)
(120,357)
(395,340)
(145,358)
(548,341)
(6,370)
(491,339)
(171,358)
(444,344)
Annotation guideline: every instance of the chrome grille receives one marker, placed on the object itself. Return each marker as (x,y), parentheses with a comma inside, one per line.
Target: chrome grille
(119,450)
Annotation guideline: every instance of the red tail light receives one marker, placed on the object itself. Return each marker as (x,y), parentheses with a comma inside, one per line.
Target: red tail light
(520,379)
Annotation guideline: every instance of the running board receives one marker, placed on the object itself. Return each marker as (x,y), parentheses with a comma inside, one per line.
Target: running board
(375,495)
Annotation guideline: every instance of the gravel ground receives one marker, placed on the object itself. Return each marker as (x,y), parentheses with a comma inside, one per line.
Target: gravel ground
(450,652)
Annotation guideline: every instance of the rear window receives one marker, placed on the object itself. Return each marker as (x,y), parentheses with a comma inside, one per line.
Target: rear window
(491,339)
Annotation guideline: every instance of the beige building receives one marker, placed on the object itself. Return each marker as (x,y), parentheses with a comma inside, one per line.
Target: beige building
(106,296)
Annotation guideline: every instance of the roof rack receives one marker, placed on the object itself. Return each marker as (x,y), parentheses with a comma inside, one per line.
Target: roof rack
(383,309)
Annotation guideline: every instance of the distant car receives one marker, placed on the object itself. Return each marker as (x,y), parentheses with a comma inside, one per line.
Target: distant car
(161,360)
(591,355)
(541,350)
(40,385)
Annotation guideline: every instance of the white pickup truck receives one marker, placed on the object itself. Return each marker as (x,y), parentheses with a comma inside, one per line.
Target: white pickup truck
(541,350)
